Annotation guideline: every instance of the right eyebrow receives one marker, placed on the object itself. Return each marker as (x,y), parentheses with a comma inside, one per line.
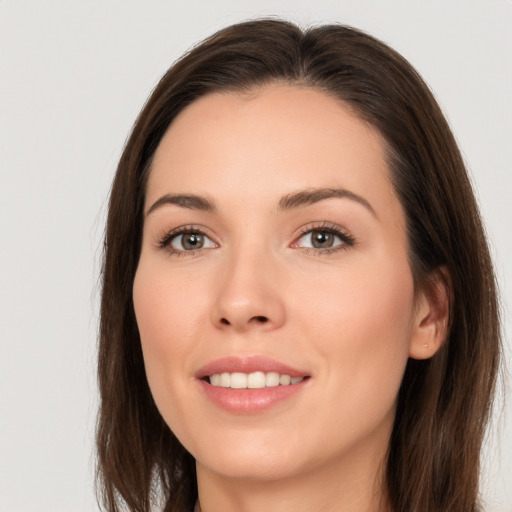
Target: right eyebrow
(190,201)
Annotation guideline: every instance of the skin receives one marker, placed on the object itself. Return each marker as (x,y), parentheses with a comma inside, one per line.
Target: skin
(349,317)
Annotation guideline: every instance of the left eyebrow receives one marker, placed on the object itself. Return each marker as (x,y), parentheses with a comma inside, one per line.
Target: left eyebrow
(315,195)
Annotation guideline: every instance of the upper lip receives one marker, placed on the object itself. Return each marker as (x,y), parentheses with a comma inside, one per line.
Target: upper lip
(248,364)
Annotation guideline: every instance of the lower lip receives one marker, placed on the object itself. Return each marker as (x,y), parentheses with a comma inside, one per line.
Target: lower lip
(250,401)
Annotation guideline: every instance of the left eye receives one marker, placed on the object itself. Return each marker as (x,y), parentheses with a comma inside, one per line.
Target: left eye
(191,241)
(319,239)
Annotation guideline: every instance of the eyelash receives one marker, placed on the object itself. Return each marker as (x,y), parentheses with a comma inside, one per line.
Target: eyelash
(326,227)
(164,242)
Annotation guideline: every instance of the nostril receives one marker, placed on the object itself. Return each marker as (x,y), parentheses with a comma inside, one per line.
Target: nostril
(259,319)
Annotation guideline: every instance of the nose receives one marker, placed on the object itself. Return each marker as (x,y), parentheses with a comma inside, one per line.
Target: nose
(250,294)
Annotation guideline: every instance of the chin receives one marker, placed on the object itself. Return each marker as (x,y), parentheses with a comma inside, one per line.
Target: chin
(264,460)
(256,469)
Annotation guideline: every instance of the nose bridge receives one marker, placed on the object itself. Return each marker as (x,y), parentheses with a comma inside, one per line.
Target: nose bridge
(249,296)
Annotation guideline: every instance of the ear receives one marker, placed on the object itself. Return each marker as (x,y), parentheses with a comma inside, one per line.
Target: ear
(432,316)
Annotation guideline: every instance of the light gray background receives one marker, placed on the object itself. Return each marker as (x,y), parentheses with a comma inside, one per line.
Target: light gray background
(73,76)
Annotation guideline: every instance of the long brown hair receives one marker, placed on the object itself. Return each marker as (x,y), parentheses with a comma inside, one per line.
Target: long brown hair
(444,402)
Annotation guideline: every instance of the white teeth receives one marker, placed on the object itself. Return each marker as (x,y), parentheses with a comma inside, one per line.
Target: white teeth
(272,379)
(238,380)
(255,380)
(225,380)
(285,380)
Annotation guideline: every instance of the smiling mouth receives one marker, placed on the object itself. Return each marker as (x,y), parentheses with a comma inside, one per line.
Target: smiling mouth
(250,384)
(253,380)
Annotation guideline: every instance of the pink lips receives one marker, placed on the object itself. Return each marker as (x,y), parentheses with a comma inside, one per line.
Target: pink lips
(248,401)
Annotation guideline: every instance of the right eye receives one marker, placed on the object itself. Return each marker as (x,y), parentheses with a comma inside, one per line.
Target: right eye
(185,241)
(190,241)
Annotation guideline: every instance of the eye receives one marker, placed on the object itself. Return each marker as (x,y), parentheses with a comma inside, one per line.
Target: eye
(190,241)
(319,240)
(185,240)
(324,239)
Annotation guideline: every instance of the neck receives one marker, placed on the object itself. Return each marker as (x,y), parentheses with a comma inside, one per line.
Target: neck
(328,489)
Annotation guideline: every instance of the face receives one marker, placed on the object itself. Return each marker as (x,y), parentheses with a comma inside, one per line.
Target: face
(273,295)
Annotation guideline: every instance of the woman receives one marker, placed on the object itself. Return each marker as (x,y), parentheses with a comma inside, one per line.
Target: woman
(299,309)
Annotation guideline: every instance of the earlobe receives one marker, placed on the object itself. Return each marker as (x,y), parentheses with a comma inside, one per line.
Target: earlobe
(432,319)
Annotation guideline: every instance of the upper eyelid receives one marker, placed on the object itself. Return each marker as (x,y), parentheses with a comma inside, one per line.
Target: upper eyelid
(188,228)
(166,237)
(322,226)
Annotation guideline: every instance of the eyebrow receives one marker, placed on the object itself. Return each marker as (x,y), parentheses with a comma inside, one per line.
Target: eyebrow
(315,195)
(190,201)
(288,202)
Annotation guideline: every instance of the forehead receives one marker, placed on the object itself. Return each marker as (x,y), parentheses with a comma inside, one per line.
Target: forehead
(285,137)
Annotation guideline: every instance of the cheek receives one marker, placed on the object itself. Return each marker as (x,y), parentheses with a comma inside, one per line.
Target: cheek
(154,308)
(362,322)
(167,326)
(168,306)
(361,299)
